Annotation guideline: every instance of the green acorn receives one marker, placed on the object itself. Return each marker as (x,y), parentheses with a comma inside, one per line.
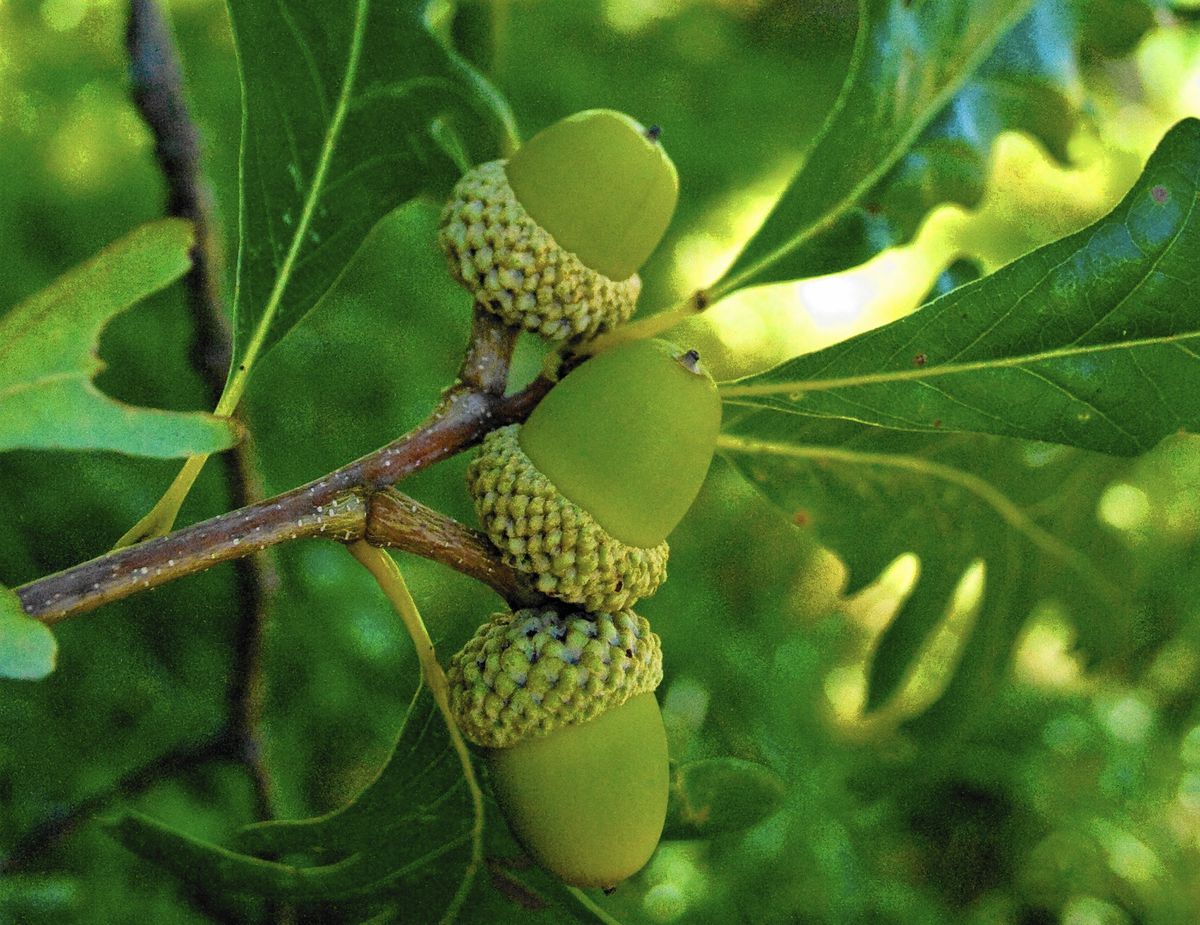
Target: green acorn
(563,706)
(583,495)
(551,240)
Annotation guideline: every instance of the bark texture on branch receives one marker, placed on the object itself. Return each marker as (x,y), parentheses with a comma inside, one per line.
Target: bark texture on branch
(401,522)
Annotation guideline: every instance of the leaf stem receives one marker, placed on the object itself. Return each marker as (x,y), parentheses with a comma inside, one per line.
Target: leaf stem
(651,326)
(591,906)
(1072,351)
(391,581)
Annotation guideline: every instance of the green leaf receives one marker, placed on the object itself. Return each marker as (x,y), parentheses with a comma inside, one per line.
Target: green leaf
(27,647)
(412,822)
(1111,28)
(714,796)
(1090,341)
(872,495)
(909,60)
(1030,83)
(37,897)
(346,106)
(47,358)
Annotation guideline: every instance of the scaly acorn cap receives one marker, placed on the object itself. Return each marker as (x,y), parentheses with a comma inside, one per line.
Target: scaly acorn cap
(528,673)
(551,240)
(542,532)
(575,746)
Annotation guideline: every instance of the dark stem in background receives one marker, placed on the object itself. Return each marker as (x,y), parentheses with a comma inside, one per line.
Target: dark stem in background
(157,88)
(188,756)
(156,84)
(345,505)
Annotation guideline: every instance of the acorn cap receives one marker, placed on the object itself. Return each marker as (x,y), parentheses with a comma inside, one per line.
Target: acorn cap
(526,674)
(515,269)
(542,532)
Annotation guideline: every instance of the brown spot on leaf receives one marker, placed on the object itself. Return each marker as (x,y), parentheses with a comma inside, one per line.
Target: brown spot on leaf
(920,359)
(937,423)
(698,815)
(511,888)
(801,518)
(1160,194)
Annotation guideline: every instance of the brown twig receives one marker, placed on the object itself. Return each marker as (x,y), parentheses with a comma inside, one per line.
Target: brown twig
(333,506)
(401,522)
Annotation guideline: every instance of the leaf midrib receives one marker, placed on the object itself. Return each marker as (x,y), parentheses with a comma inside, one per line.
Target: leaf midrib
(1005,507)
(856,192)
(237,383)
(733,390)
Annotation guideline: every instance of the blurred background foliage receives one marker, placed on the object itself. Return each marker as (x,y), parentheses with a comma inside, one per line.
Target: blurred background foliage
(1075,799)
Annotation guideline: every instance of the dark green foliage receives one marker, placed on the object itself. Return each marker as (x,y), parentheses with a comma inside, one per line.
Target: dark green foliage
(716,796)
(401,834)
(1040,764)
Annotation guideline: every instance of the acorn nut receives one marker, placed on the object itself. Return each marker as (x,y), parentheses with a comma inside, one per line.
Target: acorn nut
(583,495)
(563,706)
(551,240)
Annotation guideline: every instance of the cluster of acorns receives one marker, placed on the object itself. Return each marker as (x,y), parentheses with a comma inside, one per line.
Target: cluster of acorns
(581,497)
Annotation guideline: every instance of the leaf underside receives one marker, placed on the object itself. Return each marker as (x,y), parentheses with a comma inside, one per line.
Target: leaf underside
(872,495)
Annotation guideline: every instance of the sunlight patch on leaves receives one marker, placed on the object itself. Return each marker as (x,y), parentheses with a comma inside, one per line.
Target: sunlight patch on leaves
(872,495)
(1092,341)
(908,61)
(48,359)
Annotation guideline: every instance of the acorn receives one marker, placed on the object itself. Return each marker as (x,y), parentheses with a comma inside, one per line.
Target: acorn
(563,706)
(583,495)
(551,239)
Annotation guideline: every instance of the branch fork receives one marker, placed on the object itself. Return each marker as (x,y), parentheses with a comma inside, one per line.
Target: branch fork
(351,503)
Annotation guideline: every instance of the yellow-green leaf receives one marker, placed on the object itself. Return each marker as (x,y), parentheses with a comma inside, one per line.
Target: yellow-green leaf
(48,359)
(27,648)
